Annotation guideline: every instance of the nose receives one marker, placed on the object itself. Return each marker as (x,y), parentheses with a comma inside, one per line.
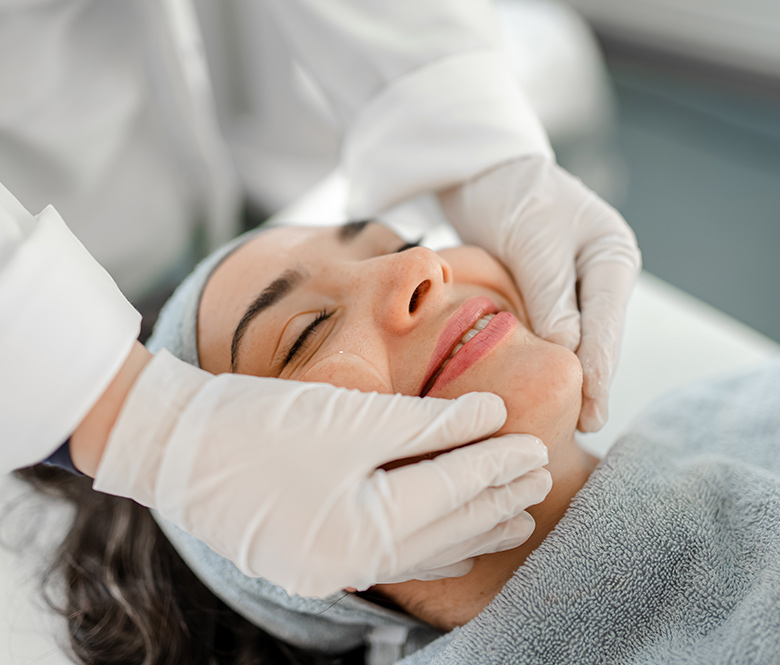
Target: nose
(407,285)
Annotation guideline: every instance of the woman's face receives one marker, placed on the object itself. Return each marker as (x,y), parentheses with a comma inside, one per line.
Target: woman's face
(355,307)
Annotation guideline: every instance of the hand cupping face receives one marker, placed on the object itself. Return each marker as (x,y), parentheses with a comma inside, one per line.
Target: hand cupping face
(357,307)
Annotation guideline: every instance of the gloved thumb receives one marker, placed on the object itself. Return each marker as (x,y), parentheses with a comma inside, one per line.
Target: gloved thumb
(604,296)
(441,424)
(549,293)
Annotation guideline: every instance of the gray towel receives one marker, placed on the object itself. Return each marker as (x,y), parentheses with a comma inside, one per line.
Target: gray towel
(669,554)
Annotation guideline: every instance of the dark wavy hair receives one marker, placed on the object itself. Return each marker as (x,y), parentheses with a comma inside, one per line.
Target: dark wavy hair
(131,600)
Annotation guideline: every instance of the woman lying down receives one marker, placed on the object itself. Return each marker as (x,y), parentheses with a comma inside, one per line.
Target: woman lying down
(668,550)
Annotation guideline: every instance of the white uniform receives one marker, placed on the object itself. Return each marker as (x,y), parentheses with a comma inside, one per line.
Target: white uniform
(104,111)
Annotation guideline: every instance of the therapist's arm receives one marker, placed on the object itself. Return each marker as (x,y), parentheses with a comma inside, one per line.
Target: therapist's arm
(275,475)
(424,94)
(88,441)
(65,331)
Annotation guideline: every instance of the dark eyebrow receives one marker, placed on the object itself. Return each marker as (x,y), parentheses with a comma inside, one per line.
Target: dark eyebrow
(282,286)
(349,230)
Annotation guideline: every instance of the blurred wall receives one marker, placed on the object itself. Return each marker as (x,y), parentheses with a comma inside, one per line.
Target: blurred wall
(736,33)
(697,131)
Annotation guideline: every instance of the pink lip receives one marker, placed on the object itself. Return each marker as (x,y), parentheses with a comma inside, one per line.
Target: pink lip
(500,326)
(460,322)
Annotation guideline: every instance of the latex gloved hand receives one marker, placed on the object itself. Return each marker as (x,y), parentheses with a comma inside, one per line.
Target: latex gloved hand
(565,247)
(281,477)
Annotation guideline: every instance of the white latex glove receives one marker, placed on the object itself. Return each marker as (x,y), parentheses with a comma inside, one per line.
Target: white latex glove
(281,477)
(574,258)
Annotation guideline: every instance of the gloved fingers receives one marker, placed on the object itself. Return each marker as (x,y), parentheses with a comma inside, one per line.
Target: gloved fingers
(604,293)
(458,569)
(414,426)
(422,493)
(605,237)
(504,536)
(594,413)
(480,515)
(550,299)
(454,539)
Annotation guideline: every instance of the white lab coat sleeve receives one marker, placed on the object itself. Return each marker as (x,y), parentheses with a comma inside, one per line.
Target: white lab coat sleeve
(65,330)
(424,92)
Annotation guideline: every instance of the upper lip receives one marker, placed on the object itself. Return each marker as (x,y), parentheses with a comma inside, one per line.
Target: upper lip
(462,320)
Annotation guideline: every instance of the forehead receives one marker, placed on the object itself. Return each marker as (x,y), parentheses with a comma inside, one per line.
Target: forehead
(245,273)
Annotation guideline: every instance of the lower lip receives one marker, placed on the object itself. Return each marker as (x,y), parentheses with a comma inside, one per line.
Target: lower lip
(500,327)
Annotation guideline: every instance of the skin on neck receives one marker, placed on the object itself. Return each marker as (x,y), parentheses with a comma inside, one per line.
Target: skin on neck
(454,601)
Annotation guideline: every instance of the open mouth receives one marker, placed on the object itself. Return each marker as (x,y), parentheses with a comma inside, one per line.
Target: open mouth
(470,334)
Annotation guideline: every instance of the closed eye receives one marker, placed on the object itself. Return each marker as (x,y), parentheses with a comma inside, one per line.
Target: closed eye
(299,344)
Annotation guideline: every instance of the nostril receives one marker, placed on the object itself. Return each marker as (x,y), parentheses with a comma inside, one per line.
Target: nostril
(419,292)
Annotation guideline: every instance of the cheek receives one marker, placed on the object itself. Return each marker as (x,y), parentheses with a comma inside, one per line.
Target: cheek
(474,266)
(540,383)
(345,369)
(544,392)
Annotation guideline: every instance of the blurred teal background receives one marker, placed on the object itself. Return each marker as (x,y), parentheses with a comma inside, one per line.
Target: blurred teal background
(701,151)
(696,170)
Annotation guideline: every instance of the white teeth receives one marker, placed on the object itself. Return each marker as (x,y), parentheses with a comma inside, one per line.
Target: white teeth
(470,333)
(474,330)
(480,325)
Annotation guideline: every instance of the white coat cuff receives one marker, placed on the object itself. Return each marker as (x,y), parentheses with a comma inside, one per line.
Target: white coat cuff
(65,333)
(439,125)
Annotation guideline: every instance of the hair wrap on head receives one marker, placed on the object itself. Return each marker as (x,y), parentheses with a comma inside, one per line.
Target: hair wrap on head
(333,625)
(177,326)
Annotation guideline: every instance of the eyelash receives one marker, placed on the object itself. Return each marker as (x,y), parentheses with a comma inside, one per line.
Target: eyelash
(300,343)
